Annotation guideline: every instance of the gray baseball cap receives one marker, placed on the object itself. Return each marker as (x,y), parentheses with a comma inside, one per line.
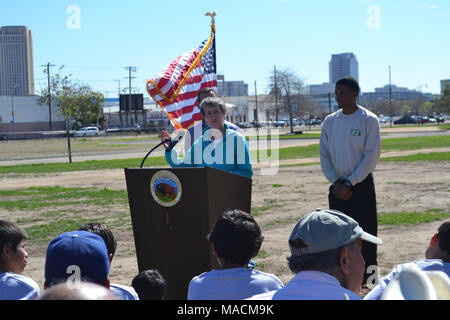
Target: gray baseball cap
(324,230)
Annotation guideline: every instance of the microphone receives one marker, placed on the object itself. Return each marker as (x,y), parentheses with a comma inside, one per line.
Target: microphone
(171,143)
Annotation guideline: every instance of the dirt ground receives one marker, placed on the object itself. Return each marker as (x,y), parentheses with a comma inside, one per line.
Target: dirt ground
(279,201)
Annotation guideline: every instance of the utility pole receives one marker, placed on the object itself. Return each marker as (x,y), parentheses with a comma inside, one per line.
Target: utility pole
(390,96)
(276,92)
(48,65)
(120,111)
(130,69)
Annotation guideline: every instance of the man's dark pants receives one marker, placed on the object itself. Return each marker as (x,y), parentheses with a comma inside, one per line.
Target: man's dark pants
(363,208)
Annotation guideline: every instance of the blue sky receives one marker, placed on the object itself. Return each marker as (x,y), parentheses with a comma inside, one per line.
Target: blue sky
(252,36)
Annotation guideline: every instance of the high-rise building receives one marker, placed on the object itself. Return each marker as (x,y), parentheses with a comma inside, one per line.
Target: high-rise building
(343,65)
(232,88)
(16,61)
(444,84)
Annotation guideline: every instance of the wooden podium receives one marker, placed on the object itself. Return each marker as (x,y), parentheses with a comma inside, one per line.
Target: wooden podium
(172,237)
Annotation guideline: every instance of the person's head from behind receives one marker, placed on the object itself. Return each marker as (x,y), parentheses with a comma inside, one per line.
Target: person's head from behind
(77,256)
(213,111)
(13,257)
(104,232)
(204,93)
(235,238)
(439,247)
(81,291)
(330,241)
(346,92)
(149,285)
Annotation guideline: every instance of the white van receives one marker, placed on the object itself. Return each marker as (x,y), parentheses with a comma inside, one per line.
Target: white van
(87,131)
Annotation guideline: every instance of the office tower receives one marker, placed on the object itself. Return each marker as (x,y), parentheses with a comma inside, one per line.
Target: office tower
(343,65)
(444,84)
(232,88)
(16,61)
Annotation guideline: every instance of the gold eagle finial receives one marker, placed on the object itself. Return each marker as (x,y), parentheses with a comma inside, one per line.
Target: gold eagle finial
(212,15)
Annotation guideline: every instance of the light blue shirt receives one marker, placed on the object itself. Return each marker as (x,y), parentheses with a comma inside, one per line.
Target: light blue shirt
(230,154)
(17,287)
(123,292)
(314,285)
(424,265)
(231,284)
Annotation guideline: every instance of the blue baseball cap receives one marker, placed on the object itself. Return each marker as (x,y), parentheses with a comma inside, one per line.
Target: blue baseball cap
(324,230)
(83,250)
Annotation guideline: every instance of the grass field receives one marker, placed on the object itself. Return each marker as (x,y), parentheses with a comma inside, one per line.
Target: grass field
(52,210)
(310,151)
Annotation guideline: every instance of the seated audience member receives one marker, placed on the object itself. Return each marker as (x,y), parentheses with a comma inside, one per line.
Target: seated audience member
(150,285)
(234,240)
(437,258)
(76,256)
(325,258)
(121,291)
(13,259)
(81,291)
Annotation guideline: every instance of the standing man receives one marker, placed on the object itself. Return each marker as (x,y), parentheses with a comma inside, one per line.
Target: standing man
(350,144)
(196,130)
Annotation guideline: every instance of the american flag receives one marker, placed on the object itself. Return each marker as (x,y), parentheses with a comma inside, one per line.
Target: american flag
(175,88)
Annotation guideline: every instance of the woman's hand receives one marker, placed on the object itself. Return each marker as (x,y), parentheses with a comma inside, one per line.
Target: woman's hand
(164,136)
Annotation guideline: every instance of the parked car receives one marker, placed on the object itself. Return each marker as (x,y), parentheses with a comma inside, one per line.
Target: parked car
(426,119)
(384,119)
(313,122)
(438,118)
(243,125)
(116,129)
(87,132)
(407,119)
(280,123)
(297,122)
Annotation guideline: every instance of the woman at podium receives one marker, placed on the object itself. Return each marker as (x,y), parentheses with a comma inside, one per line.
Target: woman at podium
(218,147)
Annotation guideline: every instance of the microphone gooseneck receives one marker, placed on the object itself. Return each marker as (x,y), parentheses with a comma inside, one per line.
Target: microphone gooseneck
(168,140)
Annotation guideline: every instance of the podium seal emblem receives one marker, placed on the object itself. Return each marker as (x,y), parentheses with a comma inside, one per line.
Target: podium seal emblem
(165,188)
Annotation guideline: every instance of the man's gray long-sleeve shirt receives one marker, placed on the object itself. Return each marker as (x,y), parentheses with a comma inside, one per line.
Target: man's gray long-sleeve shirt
(350,145)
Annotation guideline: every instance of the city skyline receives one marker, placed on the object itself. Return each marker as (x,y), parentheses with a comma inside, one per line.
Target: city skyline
(97,42)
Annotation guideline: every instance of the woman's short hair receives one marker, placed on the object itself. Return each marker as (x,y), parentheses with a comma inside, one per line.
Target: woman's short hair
(212,101)
(236,236)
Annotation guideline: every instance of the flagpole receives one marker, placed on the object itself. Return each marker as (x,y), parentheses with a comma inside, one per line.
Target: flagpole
(213,29)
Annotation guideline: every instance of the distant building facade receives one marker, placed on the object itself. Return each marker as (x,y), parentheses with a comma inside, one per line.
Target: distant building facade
(25,114)
(397,93)
(16,61)
(343,65)
(444,83)
(232,88)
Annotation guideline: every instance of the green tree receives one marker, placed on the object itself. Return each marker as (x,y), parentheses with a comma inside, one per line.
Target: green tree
(74,101)
(443,103)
